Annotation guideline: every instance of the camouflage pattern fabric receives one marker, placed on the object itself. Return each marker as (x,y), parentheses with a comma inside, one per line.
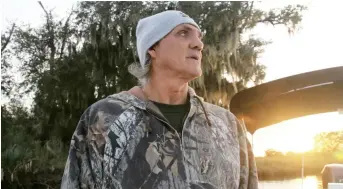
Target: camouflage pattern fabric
(124,142)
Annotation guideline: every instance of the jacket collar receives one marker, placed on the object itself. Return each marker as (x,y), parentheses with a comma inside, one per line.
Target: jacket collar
(135,97)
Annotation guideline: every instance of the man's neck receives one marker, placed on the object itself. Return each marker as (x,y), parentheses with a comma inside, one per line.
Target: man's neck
(170,91)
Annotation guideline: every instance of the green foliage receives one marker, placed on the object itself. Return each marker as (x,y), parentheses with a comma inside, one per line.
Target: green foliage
(329,142)
(27,162)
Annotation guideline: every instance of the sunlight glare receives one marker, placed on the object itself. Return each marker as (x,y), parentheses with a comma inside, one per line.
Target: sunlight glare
(295,135)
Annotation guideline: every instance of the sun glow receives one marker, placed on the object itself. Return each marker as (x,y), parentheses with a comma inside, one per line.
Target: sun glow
(295,135)
(294,54)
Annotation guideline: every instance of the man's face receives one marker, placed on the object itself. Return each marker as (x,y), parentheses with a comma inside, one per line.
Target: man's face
(180,52)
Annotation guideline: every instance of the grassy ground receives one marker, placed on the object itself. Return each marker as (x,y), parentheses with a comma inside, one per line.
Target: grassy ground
(289,166)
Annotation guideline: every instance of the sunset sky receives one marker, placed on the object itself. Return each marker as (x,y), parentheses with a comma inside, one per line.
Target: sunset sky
(311,48)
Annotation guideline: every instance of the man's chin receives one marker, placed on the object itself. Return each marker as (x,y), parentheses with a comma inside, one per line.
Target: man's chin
(195,75)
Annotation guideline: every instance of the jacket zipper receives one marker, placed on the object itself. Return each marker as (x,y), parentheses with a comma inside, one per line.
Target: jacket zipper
(181,141)
(161,119)
(184,120)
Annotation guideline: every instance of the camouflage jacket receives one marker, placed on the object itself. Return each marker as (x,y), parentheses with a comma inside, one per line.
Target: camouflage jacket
(124,142)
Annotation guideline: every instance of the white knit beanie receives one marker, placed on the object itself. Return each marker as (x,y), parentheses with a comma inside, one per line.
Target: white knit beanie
(153,28)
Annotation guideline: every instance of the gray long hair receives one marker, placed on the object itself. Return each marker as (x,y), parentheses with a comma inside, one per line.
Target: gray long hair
(141,73)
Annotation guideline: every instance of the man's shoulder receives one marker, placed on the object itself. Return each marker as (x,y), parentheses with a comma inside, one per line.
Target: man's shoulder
(216,108)
(219,111)
(104,112)
(225,115)
(109,103)
(112,105)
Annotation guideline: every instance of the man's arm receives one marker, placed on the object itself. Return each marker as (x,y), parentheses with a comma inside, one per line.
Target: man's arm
(249,177)
(86,166)
(253,176)
(77,172)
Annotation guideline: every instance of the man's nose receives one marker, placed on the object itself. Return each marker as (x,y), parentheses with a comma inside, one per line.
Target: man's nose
(196,43)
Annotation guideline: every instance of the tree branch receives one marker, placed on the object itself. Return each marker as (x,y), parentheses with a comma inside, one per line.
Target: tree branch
(51,40)
(65,29)
(247,19)
(8,39)
(271,21)
(46,12)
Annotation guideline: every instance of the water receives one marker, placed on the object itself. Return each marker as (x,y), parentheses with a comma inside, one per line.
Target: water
(310,182)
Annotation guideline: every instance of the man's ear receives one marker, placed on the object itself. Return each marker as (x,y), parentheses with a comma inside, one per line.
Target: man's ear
(152,53)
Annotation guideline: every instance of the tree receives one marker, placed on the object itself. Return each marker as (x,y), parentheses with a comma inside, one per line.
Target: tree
(273,153)
(6,79)
(329,141)
(25,161)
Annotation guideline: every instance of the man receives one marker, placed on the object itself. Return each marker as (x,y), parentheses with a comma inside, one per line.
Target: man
(161,135)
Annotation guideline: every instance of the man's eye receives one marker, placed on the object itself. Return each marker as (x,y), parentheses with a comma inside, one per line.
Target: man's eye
(183,33)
